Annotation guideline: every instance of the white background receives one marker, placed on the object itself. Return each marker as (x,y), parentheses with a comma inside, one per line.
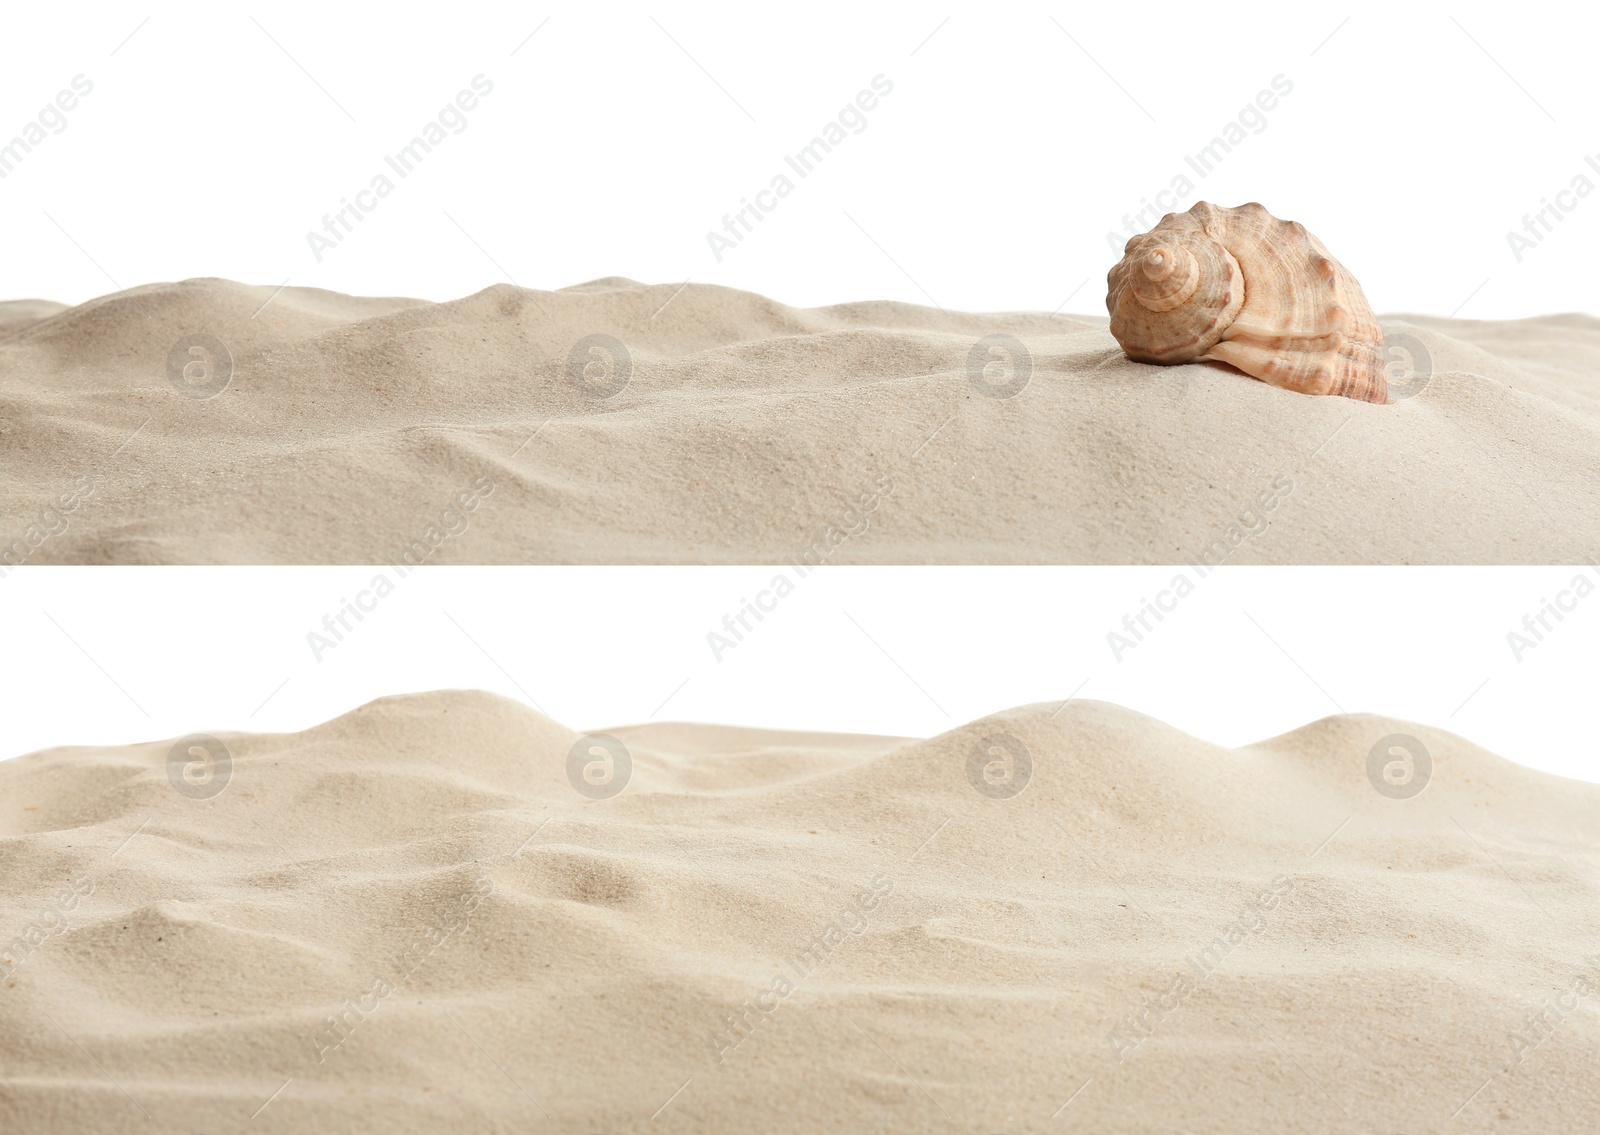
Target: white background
(1415,138)
(98,656)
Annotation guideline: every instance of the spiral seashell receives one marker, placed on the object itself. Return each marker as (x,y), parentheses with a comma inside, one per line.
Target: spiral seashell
(1241,287)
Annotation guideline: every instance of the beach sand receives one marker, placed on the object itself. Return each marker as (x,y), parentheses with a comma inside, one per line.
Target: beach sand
(494,429)
(788,932)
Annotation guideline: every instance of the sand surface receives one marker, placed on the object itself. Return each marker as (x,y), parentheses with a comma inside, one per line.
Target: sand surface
(494,429)
(507,954)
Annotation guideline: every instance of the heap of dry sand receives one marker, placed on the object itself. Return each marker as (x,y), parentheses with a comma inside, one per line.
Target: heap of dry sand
(209,421)
(447,912)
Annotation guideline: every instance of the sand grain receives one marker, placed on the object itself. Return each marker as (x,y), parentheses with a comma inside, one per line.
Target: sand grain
(751,432)
(593,979)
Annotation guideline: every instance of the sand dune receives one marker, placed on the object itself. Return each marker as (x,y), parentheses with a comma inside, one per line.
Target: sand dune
(412,919)
(711,425)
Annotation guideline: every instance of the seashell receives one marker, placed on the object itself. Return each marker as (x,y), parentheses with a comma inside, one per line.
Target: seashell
(1239,286)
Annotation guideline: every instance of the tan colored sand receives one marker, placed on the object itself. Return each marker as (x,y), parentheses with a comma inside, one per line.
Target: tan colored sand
(750,431)
(985,952)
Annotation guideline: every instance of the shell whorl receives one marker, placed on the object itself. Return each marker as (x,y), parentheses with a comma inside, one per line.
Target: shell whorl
(1167,278)
(1174,295)
(1239,286)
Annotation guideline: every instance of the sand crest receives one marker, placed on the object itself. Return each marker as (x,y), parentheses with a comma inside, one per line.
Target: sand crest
(443,912)
(209,421)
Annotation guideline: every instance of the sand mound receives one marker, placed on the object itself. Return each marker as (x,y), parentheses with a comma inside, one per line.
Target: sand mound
(430,914)
(209,421)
